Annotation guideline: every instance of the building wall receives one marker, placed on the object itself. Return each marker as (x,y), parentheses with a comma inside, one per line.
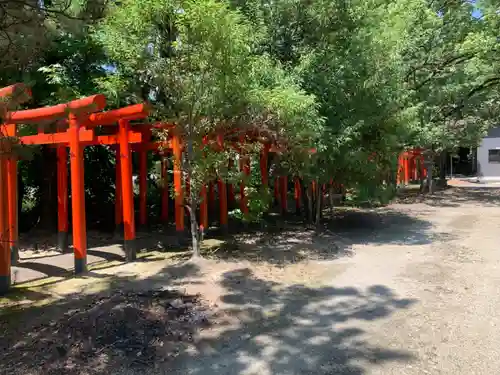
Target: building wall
(486,169)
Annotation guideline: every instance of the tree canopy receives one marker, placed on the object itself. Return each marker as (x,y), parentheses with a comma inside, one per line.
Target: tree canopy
(356,81)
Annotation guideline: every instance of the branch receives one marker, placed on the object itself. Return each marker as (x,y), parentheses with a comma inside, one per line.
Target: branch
(490,82)
(438,68)
(41,9)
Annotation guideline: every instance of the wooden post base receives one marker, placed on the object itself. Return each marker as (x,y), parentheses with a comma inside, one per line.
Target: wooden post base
(62,242)
(4,284)
(129,247)
(80,265)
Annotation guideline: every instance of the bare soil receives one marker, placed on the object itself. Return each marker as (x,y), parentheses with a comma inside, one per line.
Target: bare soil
(412,288)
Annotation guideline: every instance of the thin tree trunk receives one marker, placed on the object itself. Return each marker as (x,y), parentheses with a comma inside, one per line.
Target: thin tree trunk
(318,193)
(429,165)
(331,199)
(442,165)
(421,166)
(195,235)
(307,190)
(192,200)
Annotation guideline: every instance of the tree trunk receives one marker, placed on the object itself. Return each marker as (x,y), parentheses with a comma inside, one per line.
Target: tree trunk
(192,202)
(442,165)
(195,234)
(331,199)
(421,166)
(429,165)
(318,193)
(307,190)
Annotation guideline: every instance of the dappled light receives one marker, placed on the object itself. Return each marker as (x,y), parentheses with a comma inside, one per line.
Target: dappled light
(249,187)
(130,323)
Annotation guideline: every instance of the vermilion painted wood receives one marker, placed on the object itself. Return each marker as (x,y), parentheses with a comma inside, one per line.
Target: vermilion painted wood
(407,165)
(143,185)
(132,112)
(77,196)
(118,189)
(5,257)
(126,183)
(164,191)
(399,170)
(12,198)
(57,138)
(62,189)
(297,193)
(406,169)
(111,139)
(12,202)
(222,185)
(77,107)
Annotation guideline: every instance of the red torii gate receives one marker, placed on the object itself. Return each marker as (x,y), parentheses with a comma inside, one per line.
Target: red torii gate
(123,138)
(9,97)
(175,145)
(76,123)
(76,132)
(407,166)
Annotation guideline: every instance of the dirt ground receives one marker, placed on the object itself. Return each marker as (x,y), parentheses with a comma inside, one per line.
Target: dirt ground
(413,288)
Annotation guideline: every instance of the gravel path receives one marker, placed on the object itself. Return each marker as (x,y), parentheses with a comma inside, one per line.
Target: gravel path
(420,296)
(413,289)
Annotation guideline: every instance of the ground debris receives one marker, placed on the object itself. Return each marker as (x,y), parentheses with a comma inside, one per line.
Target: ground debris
(127,328)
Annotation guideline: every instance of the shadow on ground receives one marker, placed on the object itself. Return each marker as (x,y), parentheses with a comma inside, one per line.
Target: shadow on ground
(40,259)
(44,244)
(291,241)
(456,197)
(383,226)
(261,327)
(279,241)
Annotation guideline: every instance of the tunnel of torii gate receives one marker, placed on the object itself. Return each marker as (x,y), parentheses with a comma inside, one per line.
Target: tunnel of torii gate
(77,122)
(175,146)
(409,163)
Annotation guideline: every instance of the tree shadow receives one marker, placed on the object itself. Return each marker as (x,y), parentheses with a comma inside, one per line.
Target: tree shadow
(293,330)
(291,244)
(456,197)
(383,226)
(105,245)
(291,241)
(143,327)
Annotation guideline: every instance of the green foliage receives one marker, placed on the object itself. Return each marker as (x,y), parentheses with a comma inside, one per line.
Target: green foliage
(356,81)
(196,62)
